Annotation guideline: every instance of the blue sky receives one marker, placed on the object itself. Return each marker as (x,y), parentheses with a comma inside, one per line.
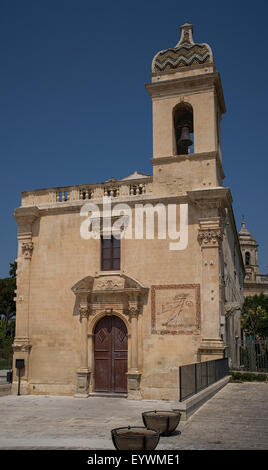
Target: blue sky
(74,108)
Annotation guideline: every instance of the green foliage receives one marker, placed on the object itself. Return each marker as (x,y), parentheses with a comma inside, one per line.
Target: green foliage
(254,318)
(7,314)
(248,377)
(13,269)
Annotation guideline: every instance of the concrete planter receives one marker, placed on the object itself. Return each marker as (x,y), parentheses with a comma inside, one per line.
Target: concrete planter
(135,438)
(165,422)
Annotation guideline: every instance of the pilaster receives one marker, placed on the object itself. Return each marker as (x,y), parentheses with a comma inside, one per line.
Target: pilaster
(25,217)
(210,237)
(134,375)
(83,373)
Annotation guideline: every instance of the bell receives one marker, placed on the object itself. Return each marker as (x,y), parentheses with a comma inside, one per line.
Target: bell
(185,140)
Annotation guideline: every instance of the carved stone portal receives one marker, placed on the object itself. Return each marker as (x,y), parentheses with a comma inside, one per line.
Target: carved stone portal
(108,294)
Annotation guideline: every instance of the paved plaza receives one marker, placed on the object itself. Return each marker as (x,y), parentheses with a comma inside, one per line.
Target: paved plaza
(236,418)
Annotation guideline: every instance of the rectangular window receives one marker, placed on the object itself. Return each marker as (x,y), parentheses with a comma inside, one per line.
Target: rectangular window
(110,254)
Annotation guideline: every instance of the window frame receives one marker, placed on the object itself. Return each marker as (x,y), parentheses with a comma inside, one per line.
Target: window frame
(114,248)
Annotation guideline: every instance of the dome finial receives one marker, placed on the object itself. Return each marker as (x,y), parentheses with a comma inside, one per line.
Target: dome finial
(185,54)
(186,34)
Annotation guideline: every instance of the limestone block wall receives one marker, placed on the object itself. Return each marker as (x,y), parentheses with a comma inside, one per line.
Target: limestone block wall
(178,322)
(60,258)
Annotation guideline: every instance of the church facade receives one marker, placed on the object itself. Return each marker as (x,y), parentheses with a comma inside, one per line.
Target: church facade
(106,307)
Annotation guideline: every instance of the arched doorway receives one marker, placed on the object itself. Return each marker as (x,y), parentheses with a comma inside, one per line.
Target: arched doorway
(110,355)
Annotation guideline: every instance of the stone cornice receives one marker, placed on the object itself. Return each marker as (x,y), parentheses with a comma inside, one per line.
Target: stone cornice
(212,197)
(193,84)
(178,158)
(218,195)
(75,206)
(26,215)
(187,68)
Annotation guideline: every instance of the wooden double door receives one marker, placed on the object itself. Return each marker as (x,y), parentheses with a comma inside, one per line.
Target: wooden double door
(110,355)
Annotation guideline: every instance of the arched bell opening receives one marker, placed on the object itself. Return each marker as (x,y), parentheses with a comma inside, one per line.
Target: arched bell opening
(247,258)
(183,128)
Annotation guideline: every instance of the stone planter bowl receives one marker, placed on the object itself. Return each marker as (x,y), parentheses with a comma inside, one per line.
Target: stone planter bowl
(163,421)
(135,438)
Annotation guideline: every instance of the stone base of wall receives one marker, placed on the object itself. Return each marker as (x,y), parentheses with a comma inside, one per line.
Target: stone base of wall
(189,406)
(167,394)
(5,389)
(43,389)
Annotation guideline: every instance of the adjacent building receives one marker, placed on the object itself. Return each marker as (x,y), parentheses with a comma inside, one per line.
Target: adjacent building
(254,283)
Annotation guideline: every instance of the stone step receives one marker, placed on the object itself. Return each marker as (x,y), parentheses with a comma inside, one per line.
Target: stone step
(108,395)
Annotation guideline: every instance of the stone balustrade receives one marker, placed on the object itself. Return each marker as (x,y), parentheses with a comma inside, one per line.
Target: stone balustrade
(87,192)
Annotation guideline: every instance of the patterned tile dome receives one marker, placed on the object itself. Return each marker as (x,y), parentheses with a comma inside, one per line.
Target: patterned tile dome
(185,53)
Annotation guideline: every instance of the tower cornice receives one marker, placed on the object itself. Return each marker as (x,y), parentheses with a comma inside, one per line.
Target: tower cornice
(183,85)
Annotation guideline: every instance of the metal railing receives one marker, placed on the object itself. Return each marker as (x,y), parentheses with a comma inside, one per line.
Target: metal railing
(198,376)
(253,355)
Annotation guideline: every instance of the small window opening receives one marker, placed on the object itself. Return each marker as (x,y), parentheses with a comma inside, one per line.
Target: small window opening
(110,254)
(183,128)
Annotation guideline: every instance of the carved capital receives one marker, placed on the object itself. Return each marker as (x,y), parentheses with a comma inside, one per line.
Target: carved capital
(231,307)
(84,311)
(133,309)
(27,249)
(21,345)
(210,238)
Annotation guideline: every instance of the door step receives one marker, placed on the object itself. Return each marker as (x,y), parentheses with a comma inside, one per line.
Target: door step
(108,395)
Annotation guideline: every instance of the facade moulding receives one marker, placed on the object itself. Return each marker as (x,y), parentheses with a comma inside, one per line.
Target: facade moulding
(184,69)
(186,85)
(218,197)
(25,216)
(75,206)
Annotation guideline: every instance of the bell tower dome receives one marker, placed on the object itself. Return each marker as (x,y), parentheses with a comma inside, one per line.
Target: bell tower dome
(249,249)
(188,104)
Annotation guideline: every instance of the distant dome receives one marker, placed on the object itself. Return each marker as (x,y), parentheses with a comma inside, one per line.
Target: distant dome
(244,235)
(244,230)
(184,54)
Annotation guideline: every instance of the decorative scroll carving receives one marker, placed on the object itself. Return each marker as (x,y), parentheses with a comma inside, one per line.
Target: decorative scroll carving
(27,249)
(133,309)
(84,311)
(231,307)
(212,237)
(21,345)
(108,284)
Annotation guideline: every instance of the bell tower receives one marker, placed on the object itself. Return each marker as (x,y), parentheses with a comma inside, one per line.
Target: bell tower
(249,249)
(188,104)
